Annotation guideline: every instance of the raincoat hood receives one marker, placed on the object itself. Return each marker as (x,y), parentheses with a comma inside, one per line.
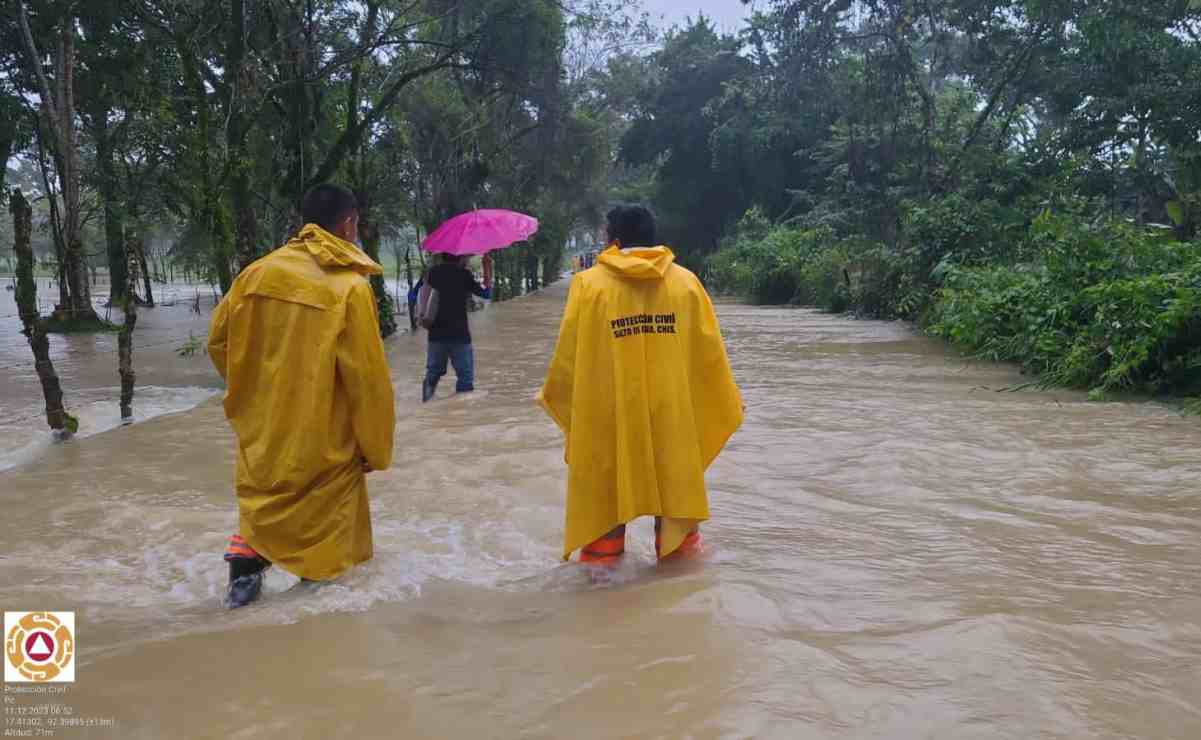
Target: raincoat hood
(330,251)
(649,263)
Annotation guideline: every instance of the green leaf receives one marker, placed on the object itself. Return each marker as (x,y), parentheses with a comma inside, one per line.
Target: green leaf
(1175,207)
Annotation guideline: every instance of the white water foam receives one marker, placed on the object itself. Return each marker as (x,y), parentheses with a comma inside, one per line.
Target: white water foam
(23,439)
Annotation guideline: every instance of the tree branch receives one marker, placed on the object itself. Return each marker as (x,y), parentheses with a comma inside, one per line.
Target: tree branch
(35,60)
(351,137)
(1016,67)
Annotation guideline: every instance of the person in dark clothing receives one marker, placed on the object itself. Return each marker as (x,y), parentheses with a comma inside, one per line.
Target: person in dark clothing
(450,335)
(414,292)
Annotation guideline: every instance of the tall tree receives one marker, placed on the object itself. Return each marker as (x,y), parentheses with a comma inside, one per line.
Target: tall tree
(112,78)
(695,201)
(11,118)
(59,118)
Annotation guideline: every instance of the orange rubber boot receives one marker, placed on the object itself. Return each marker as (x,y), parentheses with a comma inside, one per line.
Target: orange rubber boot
(606,551)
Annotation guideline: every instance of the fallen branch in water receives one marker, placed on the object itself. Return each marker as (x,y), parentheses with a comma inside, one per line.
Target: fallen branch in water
(1022,387)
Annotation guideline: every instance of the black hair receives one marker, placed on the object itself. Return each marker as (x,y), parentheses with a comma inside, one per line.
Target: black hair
(632,225)
(327,204)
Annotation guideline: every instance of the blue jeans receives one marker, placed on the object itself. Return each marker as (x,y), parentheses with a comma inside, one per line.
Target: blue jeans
(460,356)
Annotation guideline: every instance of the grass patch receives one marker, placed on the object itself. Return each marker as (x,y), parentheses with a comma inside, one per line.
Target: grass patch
(58,324)
(192,347)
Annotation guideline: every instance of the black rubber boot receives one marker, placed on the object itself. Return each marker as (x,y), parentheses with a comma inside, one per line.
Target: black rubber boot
(245,581)
(427,390)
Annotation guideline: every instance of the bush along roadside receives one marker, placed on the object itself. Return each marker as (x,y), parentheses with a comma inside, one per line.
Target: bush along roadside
(1113,308)
(785,264)
(1107,307)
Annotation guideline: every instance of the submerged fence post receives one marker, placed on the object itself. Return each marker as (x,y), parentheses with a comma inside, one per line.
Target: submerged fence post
(63,424)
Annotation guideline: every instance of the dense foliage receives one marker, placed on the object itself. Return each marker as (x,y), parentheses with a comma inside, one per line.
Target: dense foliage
(1113,307)
(207,120)
(1021,176)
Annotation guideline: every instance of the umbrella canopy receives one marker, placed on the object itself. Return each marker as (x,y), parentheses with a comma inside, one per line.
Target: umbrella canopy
(479,232)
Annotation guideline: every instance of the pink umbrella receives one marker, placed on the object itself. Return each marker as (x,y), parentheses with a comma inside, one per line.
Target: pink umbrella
(479,232)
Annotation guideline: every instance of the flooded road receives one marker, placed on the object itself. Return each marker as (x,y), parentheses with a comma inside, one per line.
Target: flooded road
(87,366)
(897,551)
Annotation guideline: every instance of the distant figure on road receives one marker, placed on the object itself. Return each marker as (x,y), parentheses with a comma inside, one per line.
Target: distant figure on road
(309,395)
(641,386)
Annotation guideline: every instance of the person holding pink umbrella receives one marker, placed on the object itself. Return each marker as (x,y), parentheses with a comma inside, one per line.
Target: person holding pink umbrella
(451,284)
(449,331)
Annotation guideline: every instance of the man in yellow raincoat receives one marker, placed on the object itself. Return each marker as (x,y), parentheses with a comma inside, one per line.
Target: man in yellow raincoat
(309,395)
(642,388)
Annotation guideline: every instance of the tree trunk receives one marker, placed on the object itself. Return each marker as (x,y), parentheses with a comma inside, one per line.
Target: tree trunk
(219,230)
(58,109)
(208,207)
(63,424)
(8,136)
(81,294)
(502,289)
(369,231)
(396,292)
(240,205)
(125,338)
(114,212)
(56,224)
(531,271)
(246,222)
(369,235)
(64,290)
(299,137)
(144,269)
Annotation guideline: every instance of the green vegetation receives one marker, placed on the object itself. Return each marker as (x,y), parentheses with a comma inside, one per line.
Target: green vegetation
(1020,178)
(1110,308)
(59,323)
(203,122)
(192,347)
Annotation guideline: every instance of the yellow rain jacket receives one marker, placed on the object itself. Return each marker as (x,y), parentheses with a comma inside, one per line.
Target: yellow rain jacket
(309,394)
(641,386)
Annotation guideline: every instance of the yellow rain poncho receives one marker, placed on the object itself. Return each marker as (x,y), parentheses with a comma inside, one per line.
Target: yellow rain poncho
(641,386)
(309,394)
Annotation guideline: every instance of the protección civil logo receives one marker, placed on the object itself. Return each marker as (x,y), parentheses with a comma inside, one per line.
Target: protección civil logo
(39,647)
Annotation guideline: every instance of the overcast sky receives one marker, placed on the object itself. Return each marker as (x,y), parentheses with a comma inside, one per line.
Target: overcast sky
(727,14)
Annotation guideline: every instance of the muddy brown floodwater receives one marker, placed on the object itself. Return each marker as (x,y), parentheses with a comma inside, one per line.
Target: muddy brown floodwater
(897,551)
